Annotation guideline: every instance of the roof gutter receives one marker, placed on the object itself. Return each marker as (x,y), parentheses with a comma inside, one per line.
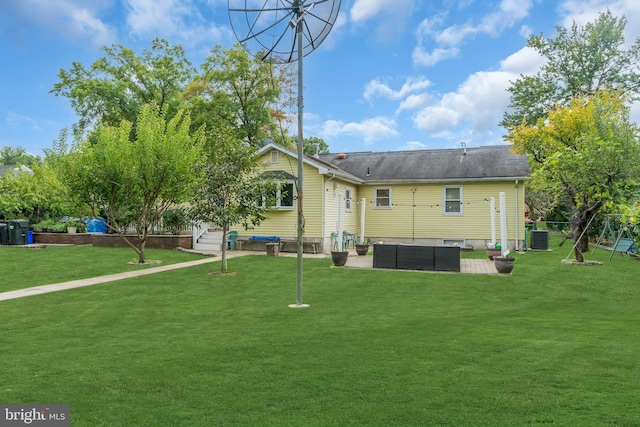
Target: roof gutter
(447,180)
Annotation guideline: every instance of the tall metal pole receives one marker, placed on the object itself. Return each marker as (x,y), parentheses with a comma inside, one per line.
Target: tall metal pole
(300,153)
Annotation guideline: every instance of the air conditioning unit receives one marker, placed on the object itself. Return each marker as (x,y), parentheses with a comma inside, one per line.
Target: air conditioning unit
(539,239)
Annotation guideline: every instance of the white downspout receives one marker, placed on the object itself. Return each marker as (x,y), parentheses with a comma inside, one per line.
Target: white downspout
(517,247)
(492,206)
(363,204)
(503,223)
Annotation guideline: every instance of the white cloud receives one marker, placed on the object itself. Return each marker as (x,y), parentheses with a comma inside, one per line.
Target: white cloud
(412,145)
(73,20)
(389,17)
(412,84)
(363,10)
(447,41)
(583,11)
(15,120)
(179,20)
(475,108)
(526,61)
(413,102)
(424,58)
(370,130)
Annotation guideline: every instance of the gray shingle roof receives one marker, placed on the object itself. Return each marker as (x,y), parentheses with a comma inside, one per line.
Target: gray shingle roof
(488,162)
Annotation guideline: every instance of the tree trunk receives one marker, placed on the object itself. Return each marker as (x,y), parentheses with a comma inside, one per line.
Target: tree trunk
(580,238)
(223,263)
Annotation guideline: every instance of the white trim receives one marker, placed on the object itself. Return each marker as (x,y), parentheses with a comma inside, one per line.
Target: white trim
(275,158)
(444,201)
(348,199)
(375,197)
(278,206)
(450,242)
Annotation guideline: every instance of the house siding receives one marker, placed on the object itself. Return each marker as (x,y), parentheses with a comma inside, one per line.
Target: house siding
(335,191)
(284,222)
(418,216)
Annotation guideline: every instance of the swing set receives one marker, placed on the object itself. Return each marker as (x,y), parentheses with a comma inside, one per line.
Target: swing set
(619,234)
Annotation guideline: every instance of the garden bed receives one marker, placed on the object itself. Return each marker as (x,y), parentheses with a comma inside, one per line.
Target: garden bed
(113,240)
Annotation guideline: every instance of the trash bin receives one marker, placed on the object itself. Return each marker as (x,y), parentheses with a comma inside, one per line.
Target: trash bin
(4,234)
(18,231)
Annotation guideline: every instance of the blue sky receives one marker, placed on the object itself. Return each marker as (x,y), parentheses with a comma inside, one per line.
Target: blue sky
(392,75)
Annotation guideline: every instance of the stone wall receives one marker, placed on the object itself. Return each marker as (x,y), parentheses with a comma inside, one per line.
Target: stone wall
(168,241)
(62,238)
(114,240)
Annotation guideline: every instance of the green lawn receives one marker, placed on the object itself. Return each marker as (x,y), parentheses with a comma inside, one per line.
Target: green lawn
(22,267)
(550,344)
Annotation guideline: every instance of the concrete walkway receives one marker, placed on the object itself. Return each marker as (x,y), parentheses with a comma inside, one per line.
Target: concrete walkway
(45,289)
(476,266)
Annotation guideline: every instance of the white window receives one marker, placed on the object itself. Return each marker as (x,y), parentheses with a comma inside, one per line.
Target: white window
(382,197)
(347,197)
(283,197)
(274,156)
(452,200)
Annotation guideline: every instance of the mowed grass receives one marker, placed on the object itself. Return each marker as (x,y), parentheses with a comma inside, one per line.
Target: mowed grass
(24,267)
(550,344)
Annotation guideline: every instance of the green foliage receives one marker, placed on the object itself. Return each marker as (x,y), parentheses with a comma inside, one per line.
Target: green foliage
(117,85)
(232,185)
(579,62)
(587,154)
(175,220)
(137,180)
(33,196)
(236,91)
(312,145)
(18,156)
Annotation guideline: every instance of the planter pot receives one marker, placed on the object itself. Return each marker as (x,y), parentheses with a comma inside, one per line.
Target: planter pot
(339,258)
(504,265)
(491,253)
(72,230)
(362,249)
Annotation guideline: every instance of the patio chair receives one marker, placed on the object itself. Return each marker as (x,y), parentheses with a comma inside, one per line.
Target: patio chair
(349,239)
(335,240)
(231,240)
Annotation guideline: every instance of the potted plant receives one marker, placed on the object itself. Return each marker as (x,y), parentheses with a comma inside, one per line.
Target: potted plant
(493,250)
(339,258)
(504,263)
(74,225)
(59,227)
(362,248)
(44,226)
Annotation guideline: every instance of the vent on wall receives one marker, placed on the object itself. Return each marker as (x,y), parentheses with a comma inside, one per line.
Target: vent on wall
(539,239)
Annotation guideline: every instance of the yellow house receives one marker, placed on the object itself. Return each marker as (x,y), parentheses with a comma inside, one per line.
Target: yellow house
(430,197)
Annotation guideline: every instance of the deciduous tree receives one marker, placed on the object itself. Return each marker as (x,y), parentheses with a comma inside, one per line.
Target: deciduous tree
(233,187)
(579,62)
(117,85)
(238,92)
(138,179)
(588,152)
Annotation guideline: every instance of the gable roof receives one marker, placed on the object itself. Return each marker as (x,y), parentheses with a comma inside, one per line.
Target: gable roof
(324,167)
(495,162)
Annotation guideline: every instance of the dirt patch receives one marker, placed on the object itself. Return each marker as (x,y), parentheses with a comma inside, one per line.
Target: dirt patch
(583,264)
(219,273)
(151,262)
